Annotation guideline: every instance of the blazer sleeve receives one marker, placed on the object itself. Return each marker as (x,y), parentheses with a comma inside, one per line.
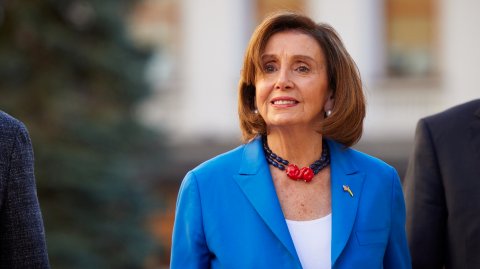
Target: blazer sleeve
(189,247)
(396,253)
(22,237)
(426,205)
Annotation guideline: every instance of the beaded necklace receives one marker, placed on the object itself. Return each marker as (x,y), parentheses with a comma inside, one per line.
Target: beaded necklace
(306,173)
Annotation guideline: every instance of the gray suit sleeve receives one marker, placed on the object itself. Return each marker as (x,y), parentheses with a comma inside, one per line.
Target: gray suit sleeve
(425,203)
(22,238)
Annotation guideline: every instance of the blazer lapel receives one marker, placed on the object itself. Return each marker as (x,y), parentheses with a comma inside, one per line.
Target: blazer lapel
(255,180)
(344,206)
(474,137)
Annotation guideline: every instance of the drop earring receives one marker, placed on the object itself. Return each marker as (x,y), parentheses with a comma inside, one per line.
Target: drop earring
(255,111)
(329,112)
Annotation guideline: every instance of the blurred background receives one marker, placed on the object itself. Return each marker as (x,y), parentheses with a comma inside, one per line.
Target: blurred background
(123,97)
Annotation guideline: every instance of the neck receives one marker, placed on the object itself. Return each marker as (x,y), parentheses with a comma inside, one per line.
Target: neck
(300,146)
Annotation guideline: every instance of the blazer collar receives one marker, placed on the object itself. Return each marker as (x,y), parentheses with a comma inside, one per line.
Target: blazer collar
(253,157)
(255,180)
(344,206)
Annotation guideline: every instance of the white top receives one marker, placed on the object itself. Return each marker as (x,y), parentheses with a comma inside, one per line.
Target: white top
(312,240)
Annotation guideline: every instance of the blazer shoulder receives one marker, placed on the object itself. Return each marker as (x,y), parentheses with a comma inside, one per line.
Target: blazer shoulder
(226,162)
(370,164)
(380,177)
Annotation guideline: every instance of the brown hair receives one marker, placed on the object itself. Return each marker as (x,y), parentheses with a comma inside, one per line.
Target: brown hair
(345,124)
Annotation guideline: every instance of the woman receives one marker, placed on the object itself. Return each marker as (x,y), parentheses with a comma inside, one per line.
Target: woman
(328,206)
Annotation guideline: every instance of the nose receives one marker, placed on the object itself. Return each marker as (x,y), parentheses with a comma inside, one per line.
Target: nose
(284,81)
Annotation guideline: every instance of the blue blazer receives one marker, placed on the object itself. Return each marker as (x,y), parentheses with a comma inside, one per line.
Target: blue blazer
(228,214)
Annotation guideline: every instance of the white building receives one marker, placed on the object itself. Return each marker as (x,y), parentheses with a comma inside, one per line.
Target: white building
(416,57)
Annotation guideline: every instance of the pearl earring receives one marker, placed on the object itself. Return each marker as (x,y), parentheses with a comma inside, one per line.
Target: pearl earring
(329,112)
(255,111)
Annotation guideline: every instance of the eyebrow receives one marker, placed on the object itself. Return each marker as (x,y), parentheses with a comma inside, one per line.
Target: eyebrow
(296,57)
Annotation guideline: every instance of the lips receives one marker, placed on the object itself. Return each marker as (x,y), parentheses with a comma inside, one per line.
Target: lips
(284,101)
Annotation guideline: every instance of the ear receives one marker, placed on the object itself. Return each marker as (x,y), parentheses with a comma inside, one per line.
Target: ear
(255,101)
(329,101)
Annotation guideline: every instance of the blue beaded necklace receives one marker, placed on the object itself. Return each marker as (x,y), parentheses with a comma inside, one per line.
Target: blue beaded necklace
(280,163)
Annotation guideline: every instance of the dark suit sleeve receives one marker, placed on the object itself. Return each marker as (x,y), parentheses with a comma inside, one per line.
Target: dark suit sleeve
(22,238)
(189,247)
(425,201)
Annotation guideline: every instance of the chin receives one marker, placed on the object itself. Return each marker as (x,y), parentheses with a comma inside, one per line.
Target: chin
(285,122)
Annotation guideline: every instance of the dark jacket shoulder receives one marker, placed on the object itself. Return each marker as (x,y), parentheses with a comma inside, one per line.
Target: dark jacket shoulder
(12,131)
(456,115)
(10,126)
(451,124)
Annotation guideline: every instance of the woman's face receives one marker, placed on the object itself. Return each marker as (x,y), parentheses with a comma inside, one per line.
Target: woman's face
(293,89)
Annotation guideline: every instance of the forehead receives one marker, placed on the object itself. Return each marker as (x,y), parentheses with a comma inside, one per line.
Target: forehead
(290,43)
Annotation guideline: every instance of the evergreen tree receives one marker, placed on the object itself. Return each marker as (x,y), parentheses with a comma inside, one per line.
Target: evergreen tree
(68,71)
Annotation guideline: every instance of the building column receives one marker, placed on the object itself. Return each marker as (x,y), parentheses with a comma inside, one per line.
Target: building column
(460,50)
(215,34)
(360,25)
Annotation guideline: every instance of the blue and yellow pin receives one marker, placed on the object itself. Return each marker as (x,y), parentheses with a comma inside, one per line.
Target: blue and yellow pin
(346,188)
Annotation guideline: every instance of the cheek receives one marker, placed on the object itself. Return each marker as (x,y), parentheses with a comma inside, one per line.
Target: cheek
(318,87)
(261,93)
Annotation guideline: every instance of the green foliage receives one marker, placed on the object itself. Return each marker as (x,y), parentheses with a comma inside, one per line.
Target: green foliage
(70,74)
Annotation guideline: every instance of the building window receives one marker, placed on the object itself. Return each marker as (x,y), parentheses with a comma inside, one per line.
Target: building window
(267,6)
(411,38)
